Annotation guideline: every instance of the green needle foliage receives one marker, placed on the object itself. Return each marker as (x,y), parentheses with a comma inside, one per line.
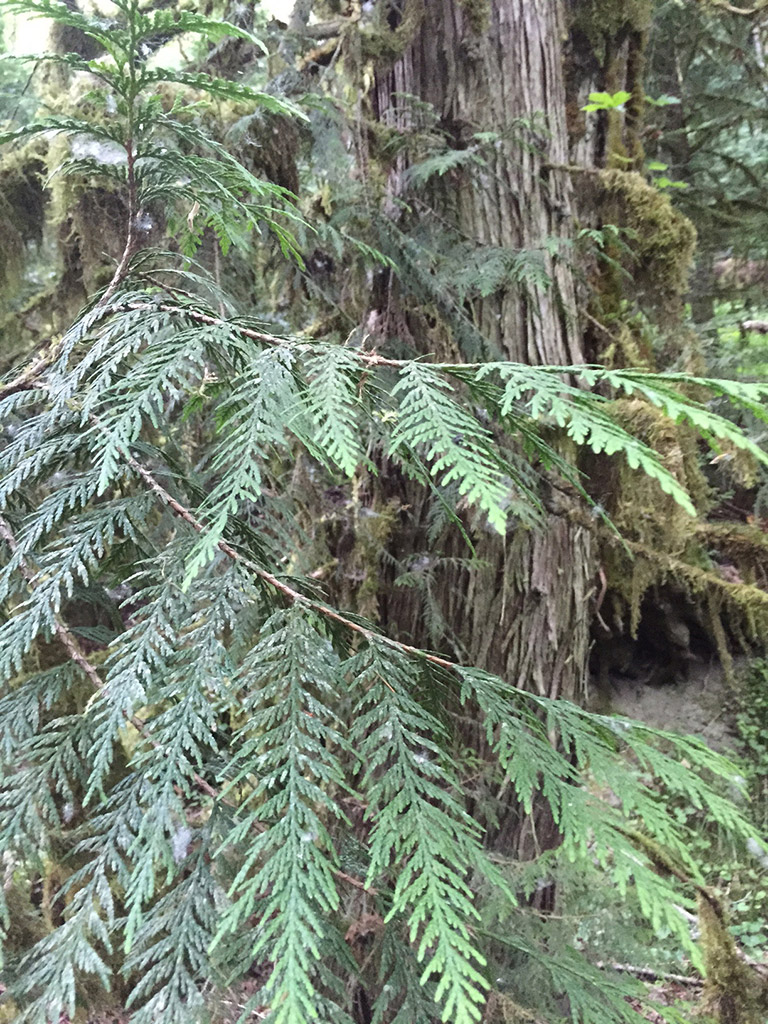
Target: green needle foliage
(421,827)
(217,763)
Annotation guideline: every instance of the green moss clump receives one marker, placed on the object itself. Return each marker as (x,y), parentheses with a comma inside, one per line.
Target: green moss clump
(26,925)
(642,511)
(668,548)
(22,212)
(383,43)
(733,992)
(744,545)
(373,529)
(478,14)
(663,241)
(601,20)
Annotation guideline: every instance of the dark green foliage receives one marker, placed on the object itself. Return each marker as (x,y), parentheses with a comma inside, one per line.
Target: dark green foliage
(715,139)
(240,772)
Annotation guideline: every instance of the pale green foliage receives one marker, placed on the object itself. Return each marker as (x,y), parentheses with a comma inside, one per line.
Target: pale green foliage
(284,754)
(332,402)
(454,445)
(205,774)
(607,101)
(541,391)
(485,270)
(135,146)
(421,827)
(443,162)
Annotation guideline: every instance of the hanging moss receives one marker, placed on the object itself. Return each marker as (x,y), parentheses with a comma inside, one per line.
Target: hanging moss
(478,14)
(21,186)
(663,241)
(639,507)
(273,148)
(601,20)
(390,37)
(743,545)
(373,529)
(22,213)
(663,545)
(633,568)
(11,254)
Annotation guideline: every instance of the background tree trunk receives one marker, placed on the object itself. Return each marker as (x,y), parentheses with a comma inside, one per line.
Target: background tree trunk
(526,614)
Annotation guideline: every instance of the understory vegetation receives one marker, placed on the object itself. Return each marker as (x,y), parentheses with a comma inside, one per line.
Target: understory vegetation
(353,454)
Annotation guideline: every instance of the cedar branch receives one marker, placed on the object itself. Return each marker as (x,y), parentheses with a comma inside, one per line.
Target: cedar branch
(76,654)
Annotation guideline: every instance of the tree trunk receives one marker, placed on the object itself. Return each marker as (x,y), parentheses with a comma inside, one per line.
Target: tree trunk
(498,68)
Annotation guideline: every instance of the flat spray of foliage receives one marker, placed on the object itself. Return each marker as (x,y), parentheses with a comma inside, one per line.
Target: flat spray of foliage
(223,764)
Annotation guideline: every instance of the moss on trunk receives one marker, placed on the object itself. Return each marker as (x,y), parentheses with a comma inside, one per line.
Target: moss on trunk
(734,992)
(662,240)
(603,20)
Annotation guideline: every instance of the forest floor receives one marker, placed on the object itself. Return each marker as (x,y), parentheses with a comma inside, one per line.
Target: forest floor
(697,705)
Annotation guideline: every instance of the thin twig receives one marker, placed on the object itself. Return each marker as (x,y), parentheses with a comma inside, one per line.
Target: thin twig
(131,241)
(29,377)
(77,655)
(355,882)
(294,596)
(271,339)
(649,974)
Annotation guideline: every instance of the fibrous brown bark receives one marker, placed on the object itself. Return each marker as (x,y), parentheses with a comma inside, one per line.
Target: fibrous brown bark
(526,615)
(507,79)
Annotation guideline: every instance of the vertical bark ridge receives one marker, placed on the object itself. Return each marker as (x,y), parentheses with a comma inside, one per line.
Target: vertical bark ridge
(526,615)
